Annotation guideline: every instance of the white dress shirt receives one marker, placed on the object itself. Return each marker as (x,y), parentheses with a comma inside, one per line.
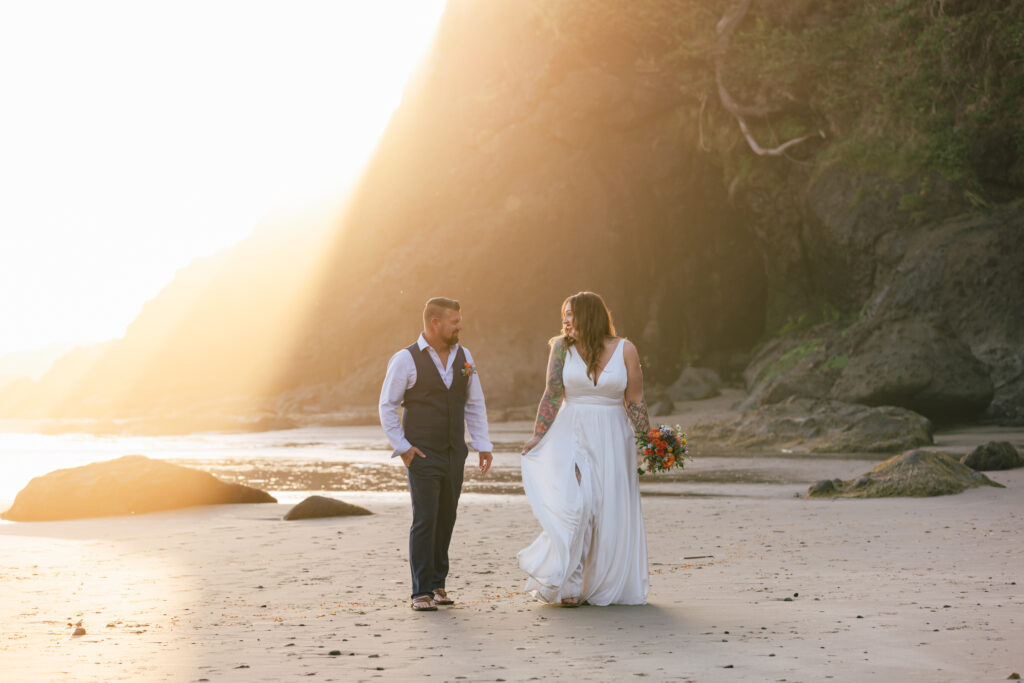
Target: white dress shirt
(401,376)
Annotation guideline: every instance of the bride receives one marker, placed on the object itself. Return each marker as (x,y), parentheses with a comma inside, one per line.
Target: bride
(580,468)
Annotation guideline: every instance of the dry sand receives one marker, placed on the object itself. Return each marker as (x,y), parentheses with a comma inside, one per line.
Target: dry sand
(794,590)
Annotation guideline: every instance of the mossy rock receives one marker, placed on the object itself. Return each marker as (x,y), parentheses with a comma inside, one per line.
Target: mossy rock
(918,473)
(994,455)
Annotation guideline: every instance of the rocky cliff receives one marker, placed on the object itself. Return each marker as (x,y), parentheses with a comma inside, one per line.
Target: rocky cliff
(549,147)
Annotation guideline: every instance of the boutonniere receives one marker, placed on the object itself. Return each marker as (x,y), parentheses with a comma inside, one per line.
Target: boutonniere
(468,369)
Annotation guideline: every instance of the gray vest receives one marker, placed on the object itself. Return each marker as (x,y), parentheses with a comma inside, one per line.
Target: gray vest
(435,415)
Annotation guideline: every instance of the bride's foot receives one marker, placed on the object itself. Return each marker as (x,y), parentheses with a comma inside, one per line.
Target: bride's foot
(571,602)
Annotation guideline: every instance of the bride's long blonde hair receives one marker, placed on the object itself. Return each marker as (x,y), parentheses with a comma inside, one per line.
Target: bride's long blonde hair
(592,324)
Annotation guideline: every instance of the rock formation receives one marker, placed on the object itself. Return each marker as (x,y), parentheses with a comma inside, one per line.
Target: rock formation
(820,426)
(915,474)
(130,485)
(940,331)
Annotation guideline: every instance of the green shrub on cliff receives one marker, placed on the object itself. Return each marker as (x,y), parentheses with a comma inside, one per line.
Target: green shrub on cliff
(896,87)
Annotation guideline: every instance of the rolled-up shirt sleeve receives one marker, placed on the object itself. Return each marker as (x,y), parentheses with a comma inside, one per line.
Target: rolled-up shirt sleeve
(476,413)
(399,377)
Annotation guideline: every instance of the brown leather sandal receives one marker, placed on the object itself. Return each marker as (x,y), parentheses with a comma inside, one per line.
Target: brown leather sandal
(423,603)
(571,602)
(441,598)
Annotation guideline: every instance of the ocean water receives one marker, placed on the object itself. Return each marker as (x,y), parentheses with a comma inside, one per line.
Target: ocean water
(290,464)
(24,456)
(356,460)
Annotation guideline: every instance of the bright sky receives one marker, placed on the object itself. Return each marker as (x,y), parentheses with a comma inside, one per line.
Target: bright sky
(136,136)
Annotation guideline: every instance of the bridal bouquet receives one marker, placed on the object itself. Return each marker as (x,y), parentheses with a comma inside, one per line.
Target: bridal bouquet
(661,449)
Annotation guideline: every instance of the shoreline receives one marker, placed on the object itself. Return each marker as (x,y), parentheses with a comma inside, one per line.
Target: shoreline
(344,461)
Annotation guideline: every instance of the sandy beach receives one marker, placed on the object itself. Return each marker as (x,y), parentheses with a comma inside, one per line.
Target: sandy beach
(748,582)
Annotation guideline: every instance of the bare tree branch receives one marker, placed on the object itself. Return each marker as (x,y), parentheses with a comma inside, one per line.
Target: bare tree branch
(775,151)
(700,125)
(727,25)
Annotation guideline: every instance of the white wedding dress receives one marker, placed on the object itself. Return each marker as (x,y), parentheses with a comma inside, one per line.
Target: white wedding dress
(593,543)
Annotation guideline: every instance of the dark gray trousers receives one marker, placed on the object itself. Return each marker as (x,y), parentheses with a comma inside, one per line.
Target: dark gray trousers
(435,483)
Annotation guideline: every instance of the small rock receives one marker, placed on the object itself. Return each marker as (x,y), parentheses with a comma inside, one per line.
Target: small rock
(994,455)
(334,653)
(316,507)
(664,407)
(79,631)
(1013,677)
(695,384)
(821,488)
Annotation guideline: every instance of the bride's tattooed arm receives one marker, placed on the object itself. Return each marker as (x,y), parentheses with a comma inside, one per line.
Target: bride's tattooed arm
(554,392)
(636,406)
(637,413)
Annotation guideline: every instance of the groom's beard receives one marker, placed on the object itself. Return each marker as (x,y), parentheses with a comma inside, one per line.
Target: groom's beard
(452,340)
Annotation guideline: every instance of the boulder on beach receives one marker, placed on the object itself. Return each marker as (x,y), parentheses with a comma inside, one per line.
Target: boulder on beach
(320,506)
(130,485)
(694,384)
(994,455)
(917,473)
(818,426)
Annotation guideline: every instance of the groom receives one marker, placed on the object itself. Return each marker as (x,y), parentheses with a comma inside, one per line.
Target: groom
(435,380)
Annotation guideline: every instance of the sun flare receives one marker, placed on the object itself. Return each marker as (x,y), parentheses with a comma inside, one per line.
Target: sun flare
(139,136)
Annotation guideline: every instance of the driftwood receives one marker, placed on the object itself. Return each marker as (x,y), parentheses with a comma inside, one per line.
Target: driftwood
(727,25)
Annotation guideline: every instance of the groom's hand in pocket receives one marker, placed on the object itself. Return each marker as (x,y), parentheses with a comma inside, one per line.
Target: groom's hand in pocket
(410,454)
